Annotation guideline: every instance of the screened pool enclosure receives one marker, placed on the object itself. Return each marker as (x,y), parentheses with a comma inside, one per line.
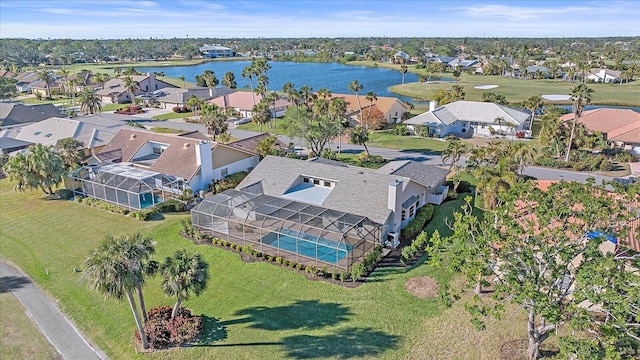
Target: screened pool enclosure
(306,234)
(124,185)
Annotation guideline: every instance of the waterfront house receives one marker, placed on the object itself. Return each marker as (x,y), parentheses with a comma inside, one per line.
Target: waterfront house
(114,91)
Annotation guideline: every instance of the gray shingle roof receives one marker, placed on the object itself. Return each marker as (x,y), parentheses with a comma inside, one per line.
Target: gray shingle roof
(357,190)
(425,175)
(17,114)
(483,112)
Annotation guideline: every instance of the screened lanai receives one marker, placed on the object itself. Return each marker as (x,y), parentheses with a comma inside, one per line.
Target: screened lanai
(307,234)
(124,185)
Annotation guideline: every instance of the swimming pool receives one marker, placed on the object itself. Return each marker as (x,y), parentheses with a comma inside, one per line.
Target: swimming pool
(324,250)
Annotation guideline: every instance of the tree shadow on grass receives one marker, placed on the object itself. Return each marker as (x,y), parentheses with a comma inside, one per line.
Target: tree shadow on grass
(212,331)
(303,314)
(345,344)
(10,283)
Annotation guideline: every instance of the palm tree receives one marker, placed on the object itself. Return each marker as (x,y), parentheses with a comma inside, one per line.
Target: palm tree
(454,152)
(355,86)
(184,274)
(260,113)
(90,102)
(523,154)
(42,168)
(109,271)
(403,70)
(229,80)
(360,136)
(305,94)
(337,112)
(210,79)
(70,150)
(291,93)
(117,70)
(44,75)
(65,73)
(249,72)
(214,120)
(138,251)
(533,104)
(131,85)
(371,97)
(324,93)
(100,79)
(491,182)
(272,98)
(581,97)
(183,78)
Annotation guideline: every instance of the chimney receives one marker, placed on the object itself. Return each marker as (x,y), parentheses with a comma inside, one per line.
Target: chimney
(432,105)
(394,203)
(211,93)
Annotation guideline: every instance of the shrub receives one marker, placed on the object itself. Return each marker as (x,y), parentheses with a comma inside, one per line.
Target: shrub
(298,266)
(402,130)
(104,206)
(162,330)
(285,262)
(171,206)
(343,276)
(420,242)
(408,252)
(329,154)
(357,270)
(416,225)
(334,275)
(147,214)
(278,260)
(64,194)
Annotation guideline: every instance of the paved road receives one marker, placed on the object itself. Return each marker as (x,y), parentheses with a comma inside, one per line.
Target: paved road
(55,326)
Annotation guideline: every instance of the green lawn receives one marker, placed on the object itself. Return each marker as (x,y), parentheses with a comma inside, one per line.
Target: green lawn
(253,310)
(389,140)
(172,115)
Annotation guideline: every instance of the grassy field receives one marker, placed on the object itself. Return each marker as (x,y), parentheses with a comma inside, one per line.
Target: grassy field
(253,310)
(19,336)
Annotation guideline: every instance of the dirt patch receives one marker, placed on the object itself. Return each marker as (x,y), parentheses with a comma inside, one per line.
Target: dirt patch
(422,287)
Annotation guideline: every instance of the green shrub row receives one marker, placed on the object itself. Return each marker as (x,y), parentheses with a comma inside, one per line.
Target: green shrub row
(144,215)
(99,204)
(171,206)
(229,182)
(418,244)
(416,225)
(360,269)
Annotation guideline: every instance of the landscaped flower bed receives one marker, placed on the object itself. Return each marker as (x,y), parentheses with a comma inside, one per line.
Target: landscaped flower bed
(129,110)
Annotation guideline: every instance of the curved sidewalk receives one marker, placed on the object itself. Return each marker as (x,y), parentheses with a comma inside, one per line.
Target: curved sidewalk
(56,327)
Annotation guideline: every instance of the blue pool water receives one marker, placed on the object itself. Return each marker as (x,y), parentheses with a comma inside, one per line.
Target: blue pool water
(324,250)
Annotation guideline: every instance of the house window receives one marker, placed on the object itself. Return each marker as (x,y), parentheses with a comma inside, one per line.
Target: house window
(404,215)
(412,210)
(316,182)
(305,180)
(156,86)
(224,172)
(158,150)
(37,133)
(327,184)
(146,88)
(48,135)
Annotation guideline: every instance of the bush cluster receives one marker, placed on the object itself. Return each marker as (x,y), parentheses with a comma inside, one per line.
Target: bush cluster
(171,206)
(102,205)
(376,159)
(402,130)
(64,194)
(620,155)
(418,244)
(144,215)
(163,331)
(180,109)
(416,225)
(580,161)
(229,182)
(130,110)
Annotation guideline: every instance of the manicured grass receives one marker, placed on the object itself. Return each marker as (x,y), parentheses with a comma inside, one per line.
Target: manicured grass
(34,101)
(254,310)
(19,336)
(165,130)
(353,159)
(113,107)
(517,91)
(172,115)
(276,129)
(389,140)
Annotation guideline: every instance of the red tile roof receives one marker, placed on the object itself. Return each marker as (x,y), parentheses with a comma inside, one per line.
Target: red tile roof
(607,120)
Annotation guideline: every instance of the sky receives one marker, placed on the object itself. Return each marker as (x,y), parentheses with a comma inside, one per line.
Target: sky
(111,19)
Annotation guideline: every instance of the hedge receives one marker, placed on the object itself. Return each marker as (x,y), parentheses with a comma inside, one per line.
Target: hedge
(416,225)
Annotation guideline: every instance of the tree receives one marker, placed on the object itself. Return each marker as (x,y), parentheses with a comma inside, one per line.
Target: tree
(7,88)
(403,70)
(266,147)
(454,151)
(317,133)
(533,104)
(580,97)
(90,102)
(523,154)
(184,274)
(100,79)
(207,79)
(229,80)
(492,181)
(194,103)
(260,113)
(70,150)
(355,86)
(249,72)
(132,86)
(466,250)
(183,78)
(138,251)
(44,75)
(371,98)
(112,271)
(492,97)
(291,93)
(214,120)
(547,261)
(41,168)
(360,136)
(554,131)
(338,114)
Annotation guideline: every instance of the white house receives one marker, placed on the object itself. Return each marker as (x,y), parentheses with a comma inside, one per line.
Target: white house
(216,51)
(472,117)
(604,76)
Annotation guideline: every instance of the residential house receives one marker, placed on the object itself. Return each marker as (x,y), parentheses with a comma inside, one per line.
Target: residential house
(441,59)
(191,157)
(216,51)
(391,108)
(44,88)
(23,80)
(250,144)
(604,76)
(620,126)
(9,145)
(401,57)
(172,97)
(243,101)
(114,91)
(15,115)
(472,117)
(94,131)
(389,196)
(463,64)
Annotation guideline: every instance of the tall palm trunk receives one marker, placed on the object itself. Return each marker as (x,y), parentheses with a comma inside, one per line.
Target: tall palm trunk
(573,129)
(176,307)
(143,308)
(132,304)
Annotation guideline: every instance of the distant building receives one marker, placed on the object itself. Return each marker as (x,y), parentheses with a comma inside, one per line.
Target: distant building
(216,51)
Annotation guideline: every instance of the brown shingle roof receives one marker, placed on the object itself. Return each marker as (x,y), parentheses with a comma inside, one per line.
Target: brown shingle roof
(179,159)
(382,103)
(250,144)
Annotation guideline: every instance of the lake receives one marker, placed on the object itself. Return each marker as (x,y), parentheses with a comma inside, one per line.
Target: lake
(333,76)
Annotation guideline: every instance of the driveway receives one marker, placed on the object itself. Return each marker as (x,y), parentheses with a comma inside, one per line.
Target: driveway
(57,328)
